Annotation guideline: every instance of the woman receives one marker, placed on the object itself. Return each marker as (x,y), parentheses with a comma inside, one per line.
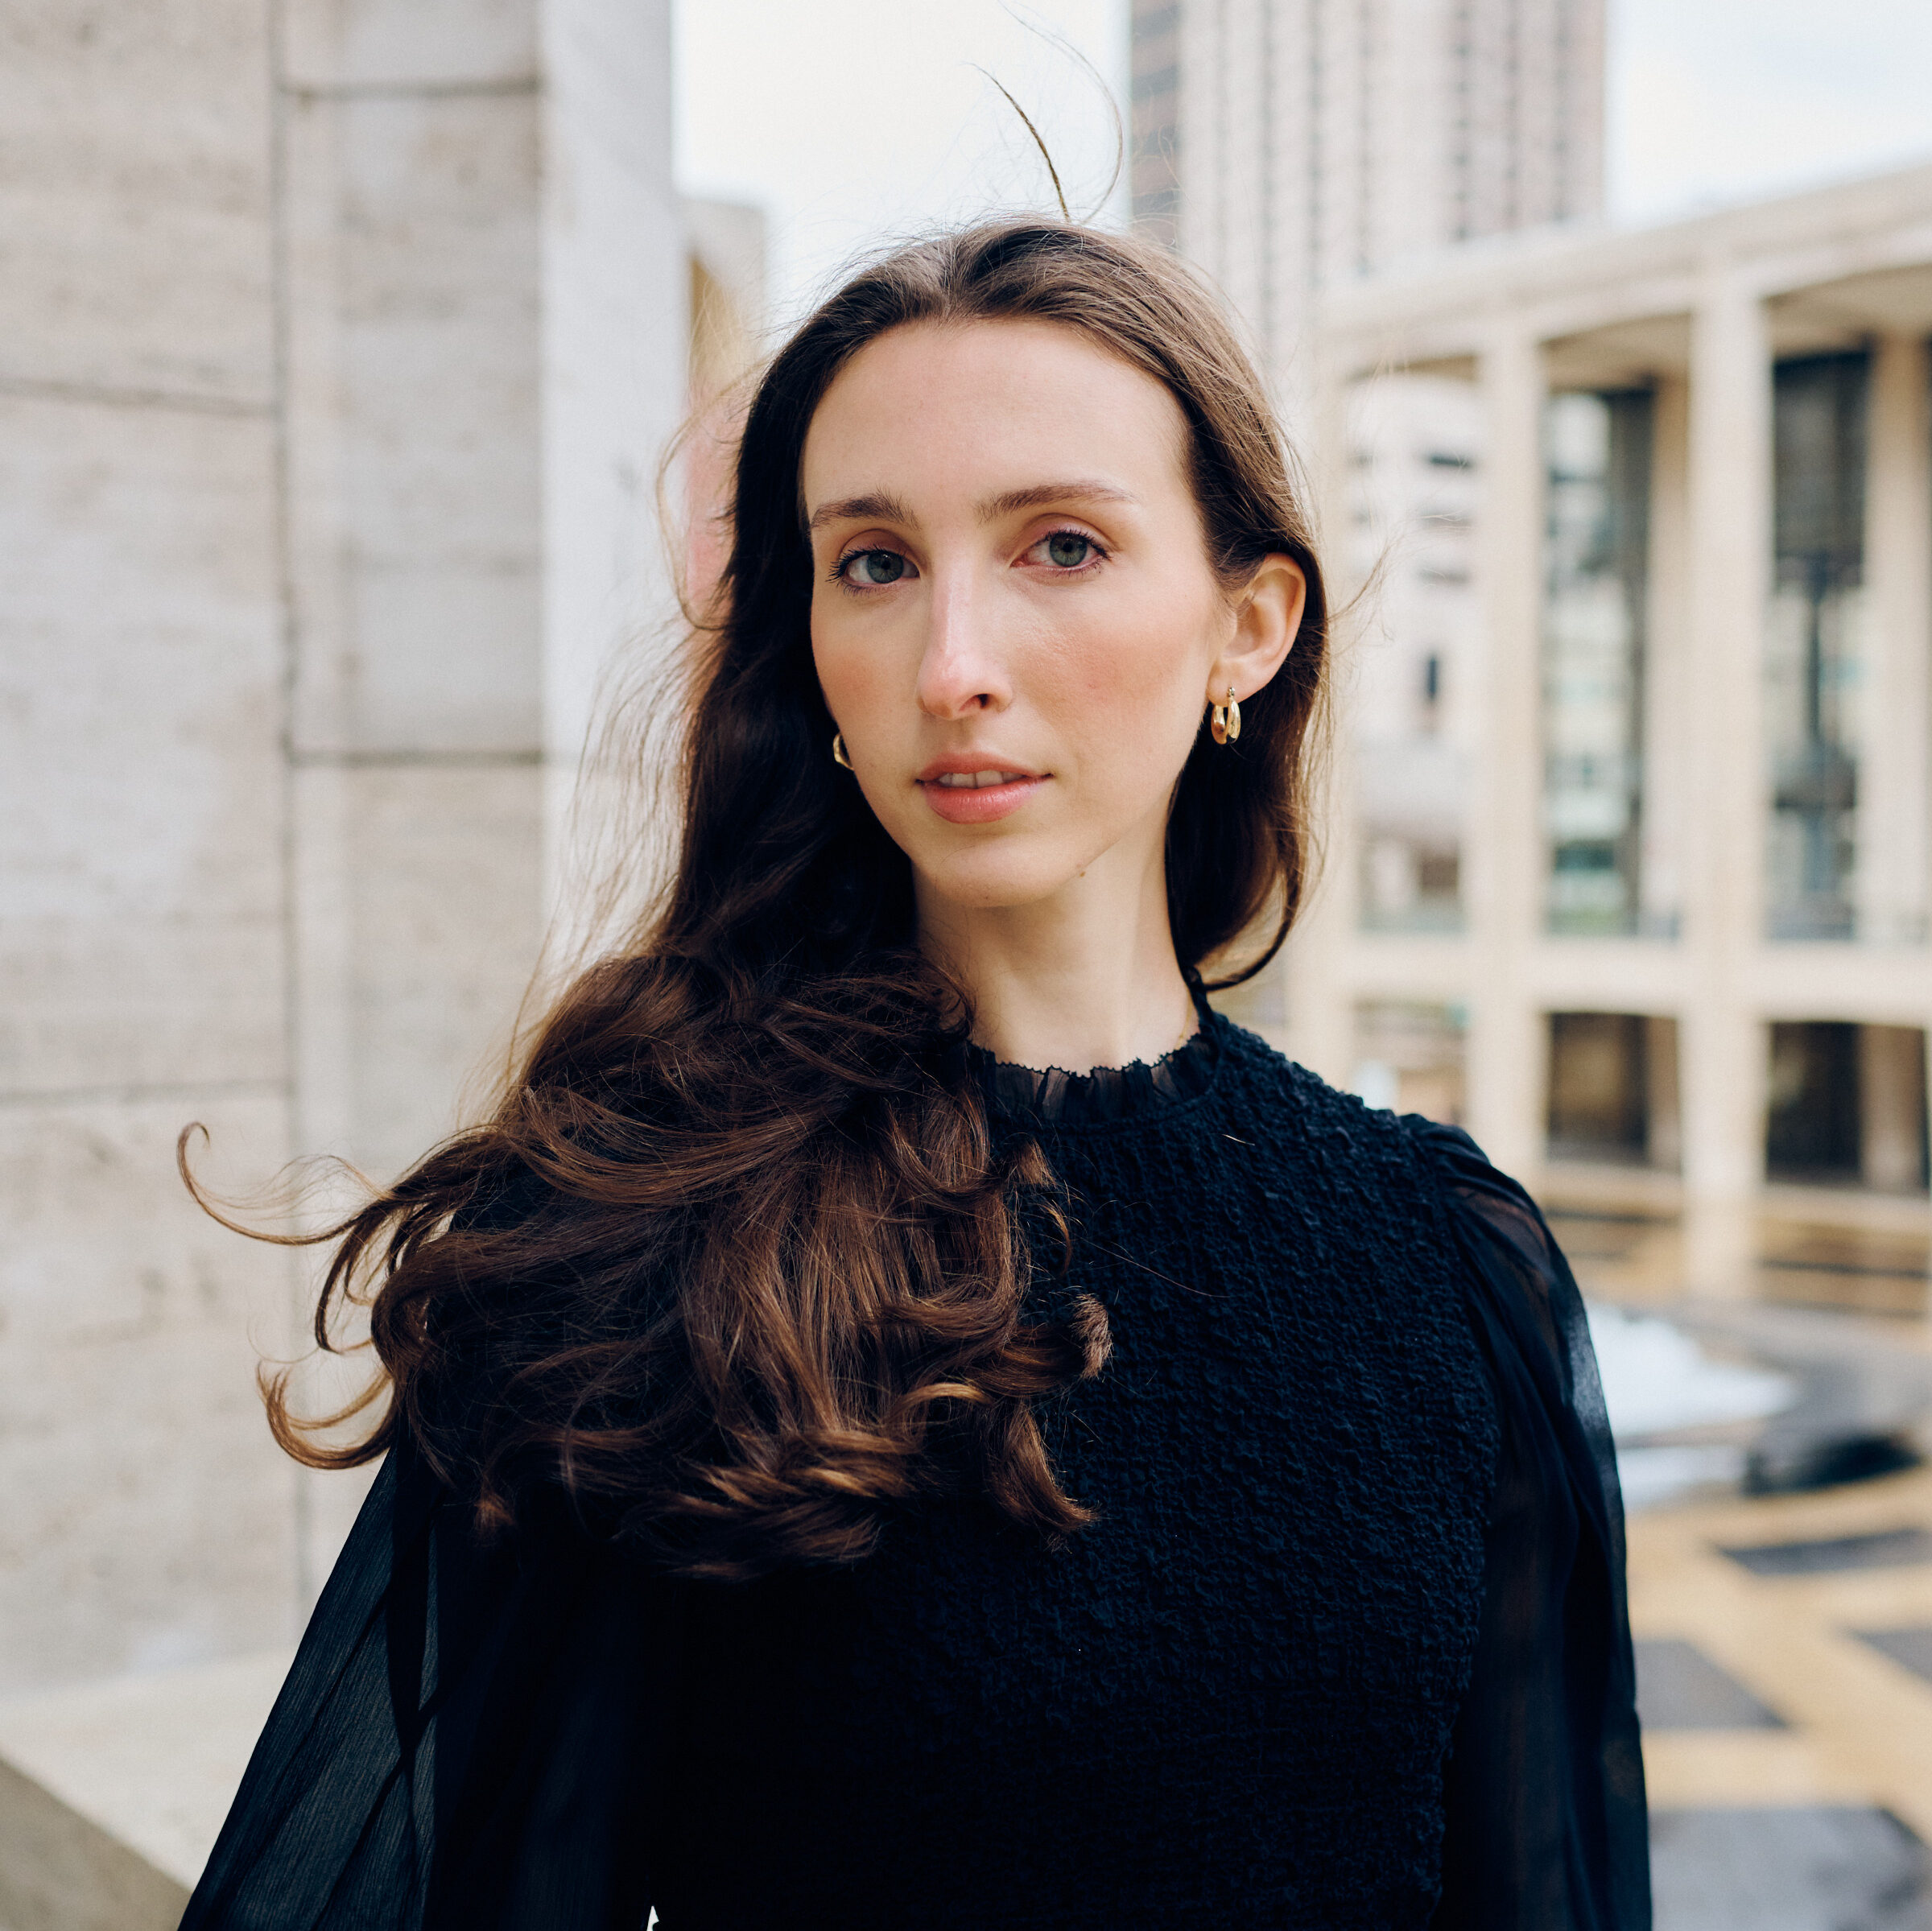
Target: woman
(836,1475)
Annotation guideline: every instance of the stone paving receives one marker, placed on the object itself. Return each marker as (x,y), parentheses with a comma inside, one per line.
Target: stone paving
(1784,1659)
(1785,1641)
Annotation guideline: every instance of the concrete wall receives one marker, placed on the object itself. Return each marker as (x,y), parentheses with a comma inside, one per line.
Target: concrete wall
(338,338)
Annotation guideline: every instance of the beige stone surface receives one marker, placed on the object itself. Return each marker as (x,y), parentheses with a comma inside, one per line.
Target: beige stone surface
(134,198)
(330,397)
(420,923)
(414,402)
(616,342)
(346,44)
(59,1871)
(151,1762)
(141,930)
(1859,1724)
(149,1516)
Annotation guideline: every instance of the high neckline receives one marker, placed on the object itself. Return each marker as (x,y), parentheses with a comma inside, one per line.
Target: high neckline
(1053,1096)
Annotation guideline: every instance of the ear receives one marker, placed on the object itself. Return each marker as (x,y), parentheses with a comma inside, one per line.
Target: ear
(1267,614)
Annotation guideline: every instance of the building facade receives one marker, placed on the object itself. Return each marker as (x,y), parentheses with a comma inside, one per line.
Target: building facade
(1684,961)
(1646,908)
(340,345)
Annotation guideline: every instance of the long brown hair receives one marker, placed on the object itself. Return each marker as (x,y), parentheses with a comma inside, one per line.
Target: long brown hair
(735,1262)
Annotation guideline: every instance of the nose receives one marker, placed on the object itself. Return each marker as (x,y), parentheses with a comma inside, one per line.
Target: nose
(960,671)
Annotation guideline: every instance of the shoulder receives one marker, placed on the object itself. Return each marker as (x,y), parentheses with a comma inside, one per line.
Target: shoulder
(1446,1154)
(1459,1161)
(1262,1079)
(1486,1205)
(1401,1171)
(1513,1270)
(1380,1151)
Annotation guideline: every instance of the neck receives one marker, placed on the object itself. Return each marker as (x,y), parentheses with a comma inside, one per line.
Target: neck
(1085,978)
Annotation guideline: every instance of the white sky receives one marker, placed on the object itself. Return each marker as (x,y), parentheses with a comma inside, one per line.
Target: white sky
(1722,100)
(846,120)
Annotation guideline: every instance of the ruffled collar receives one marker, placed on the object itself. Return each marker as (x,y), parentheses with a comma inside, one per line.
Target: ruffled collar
(1053,1097)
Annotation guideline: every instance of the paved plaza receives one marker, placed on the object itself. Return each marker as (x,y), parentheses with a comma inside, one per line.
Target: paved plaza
(1785,1639)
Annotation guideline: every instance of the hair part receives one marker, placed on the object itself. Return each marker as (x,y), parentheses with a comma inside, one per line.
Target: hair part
(738,1264)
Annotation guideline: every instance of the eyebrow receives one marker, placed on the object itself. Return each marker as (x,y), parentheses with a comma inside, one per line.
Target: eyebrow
(877,507)
(889,509)
(1041,494)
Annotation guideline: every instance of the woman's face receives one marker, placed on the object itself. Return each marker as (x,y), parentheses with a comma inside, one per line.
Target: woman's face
(1012,616)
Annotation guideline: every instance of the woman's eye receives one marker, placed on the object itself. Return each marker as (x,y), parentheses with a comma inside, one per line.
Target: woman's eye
(873,568)
(1068,550)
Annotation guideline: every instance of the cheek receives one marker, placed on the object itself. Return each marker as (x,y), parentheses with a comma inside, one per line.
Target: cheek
(854,678)
(1137,670)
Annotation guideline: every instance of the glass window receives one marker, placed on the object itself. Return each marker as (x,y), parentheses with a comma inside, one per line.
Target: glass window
(1847,1105)
(1415,486)
(1814,647)
(1598,451)
(1612,1093)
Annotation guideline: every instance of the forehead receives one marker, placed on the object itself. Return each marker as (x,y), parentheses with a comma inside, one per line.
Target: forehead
(977,407)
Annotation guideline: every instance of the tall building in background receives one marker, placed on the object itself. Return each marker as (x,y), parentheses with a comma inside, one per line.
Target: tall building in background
(1290,145)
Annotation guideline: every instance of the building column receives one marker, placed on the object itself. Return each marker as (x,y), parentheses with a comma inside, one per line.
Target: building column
(1891,1105)
(1666,707)
(1722,1069)
(1200,157)
(1508,1046)
(1243,137)
(1893,802)
(484,286)
(485,295)
(613,369)
(1664,1126)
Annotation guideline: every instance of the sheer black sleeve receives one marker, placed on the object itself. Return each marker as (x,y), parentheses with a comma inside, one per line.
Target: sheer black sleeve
(467,1738)
(473,1737)
(1547,1823)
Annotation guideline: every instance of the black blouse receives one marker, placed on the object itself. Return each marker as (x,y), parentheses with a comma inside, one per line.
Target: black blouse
(1218,1704)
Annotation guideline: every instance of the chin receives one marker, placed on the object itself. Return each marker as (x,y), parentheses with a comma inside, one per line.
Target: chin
(990,881)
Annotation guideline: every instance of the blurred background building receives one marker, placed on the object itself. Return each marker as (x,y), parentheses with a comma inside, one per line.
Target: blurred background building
(1292,145)
(1688,933)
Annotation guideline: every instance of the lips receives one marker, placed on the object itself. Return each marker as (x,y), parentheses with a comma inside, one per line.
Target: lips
(977,781)
(964,791)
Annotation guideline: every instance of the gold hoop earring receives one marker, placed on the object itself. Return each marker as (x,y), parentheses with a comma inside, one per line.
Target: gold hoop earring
(838,751)
(1226,723)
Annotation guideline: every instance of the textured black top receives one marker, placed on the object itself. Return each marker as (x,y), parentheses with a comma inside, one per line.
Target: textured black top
(1346,1646)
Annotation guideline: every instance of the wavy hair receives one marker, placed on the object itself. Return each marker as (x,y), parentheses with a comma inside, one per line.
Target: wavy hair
(735,1262)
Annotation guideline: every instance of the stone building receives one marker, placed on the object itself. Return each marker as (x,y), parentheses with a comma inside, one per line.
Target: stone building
(338,340)
(1682,961)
